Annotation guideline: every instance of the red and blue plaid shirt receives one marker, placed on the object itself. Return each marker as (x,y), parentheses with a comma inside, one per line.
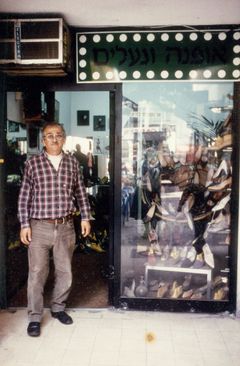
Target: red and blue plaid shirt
(49,194)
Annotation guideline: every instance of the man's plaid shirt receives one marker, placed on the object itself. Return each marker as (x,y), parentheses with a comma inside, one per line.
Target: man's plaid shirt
(49,194)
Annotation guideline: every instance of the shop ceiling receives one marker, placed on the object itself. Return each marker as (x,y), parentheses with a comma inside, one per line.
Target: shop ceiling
(117,13)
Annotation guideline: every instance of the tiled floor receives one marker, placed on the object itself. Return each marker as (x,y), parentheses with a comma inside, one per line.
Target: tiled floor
(112,337)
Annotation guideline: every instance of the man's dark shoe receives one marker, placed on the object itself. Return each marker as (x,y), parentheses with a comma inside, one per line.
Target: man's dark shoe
(33,329)
(62,317)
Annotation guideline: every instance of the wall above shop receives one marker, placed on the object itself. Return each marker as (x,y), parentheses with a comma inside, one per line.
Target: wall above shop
(95,13)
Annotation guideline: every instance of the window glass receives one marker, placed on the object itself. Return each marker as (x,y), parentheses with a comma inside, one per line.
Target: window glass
(176,190)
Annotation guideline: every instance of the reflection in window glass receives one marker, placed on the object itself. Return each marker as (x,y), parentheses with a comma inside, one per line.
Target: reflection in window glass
(176,190)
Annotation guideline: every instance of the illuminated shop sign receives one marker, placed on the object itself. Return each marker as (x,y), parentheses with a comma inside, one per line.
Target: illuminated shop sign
(167,55)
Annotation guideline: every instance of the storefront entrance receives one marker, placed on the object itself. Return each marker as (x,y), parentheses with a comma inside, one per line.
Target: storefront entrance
(161,155)
(161,186)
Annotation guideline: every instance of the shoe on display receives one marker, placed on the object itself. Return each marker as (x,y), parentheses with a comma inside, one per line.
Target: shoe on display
(187,282)
(162,290)
(221,223)
(222,203)
(162,210)
(223,168)
(209,178)
(173,288)
(183,252)
(152,236)
(149,214)
(190,258)
(227,241)
(186,208)
(197,296)
(153,285)
(221,293)
(222,142)
(177,292)
(208,256)
(174,256)
(220,186)
(149,252)
(219,281)
(156,249)
(130,291)
(187,294)
(127,292)
(165,253)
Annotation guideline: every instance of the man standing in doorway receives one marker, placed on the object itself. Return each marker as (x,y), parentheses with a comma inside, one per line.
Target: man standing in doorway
(52,183)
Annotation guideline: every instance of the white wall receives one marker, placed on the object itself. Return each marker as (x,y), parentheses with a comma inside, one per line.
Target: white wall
(94,13)
(64,100)
(97,103)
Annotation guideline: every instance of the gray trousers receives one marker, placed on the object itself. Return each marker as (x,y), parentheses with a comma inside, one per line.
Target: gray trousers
(61,239)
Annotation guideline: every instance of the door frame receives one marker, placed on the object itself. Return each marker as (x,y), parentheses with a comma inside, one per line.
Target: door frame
(3,294)
(115,118)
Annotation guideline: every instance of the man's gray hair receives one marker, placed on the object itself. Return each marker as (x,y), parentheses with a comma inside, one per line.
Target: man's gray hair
(53,124)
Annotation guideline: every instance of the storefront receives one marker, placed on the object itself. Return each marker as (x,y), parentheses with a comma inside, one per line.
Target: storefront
(158,112)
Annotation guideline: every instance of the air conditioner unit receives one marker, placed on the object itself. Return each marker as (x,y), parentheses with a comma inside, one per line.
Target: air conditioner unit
(35,47)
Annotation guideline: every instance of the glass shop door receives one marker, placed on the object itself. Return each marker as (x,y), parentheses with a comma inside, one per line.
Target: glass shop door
(177,238)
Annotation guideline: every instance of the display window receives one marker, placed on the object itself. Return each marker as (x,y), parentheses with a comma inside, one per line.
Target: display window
(176,190)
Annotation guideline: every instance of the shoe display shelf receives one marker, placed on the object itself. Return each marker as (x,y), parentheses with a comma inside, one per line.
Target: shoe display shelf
(198,271)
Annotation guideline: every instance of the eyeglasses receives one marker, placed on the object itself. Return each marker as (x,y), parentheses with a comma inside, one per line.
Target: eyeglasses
(51,137)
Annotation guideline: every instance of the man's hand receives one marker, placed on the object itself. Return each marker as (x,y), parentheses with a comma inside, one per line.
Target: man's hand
(86,228)
(26,235)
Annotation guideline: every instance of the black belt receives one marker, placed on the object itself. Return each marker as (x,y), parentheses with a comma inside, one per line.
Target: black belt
(59,220)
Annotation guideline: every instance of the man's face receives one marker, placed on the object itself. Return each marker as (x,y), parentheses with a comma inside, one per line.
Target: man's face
(53,140)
